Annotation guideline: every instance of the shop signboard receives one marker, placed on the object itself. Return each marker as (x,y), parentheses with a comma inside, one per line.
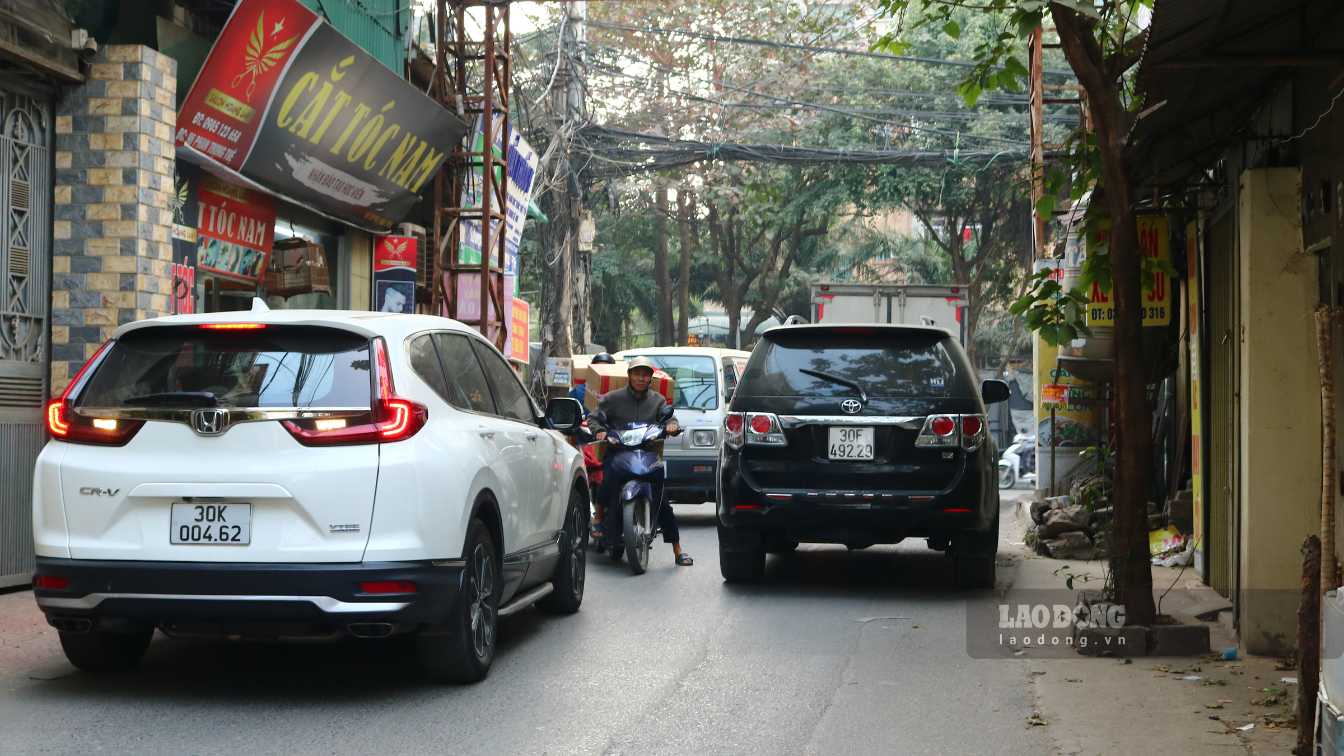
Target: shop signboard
(1192,260)
(520,331)
(1154,242)
(1076,420)
(235,230)
(394,274)
(186,178)
(522,167)
(287,104)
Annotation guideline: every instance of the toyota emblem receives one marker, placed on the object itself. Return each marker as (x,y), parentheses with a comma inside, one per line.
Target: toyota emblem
(851,406)
(209,422)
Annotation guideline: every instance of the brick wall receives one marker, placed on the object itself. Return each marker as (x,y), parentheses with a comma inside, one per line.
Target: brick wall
(112,243)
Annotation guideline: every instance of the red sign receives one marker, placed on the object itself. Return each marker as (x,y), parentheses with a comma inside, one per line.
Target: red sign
(288,104)
(1054,393)
(519,331)
(235,229)
(394,274)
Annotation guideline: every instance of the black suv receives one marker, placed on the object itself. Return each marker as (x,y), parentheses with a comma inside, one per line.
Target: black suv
(859,435)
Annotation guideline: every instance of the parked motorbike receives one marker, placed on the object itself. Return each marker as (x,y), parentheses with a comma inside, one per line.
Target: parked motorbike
(1017,464)
(636,459)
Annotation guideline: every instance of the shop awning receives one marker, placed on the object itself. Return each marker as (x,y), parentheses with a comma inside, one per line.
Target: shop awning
(1209,65)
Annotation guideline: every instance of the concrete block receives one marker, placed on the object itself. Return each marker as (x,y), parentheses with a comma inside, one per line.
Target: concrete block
(60,229)
(108,71)
(1130,640)
(64,124)
(84,265)
(102,212)
(62,195)
(64,158)
(100,316)
(60,334)
(106,106)
(102,281)
(1178,640)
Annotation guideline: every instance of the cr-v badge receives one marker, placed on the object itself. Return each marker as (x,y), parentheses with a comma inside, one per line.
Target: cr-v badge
(851,406)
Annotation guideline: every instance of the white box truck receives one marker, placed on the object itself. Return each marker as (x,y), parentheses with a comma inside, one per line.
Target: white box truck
(902,304)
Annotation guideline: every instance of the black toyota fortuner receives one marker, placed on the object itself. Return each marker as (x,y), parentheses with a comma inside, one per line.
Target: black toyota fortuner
(859,435)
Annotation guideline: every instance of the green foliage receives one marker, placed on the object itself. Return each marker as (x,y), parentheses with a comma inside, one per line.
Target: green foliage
(1056,313)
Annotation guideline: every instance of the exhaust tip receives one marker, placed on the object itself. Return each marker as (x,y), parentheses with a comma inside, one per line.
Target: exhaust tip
(370,629)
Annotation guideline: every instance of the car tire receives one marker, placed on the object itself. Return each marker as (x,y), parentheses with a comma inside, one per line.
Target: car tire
(781,547)
(461,650)
(571,572)
(101,652)
(741,556)
(973,557)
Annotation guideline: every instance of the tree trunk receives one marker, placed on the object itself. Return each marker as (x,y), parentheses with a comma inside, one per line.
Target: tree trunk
(686,209)
(1308,644)
(1325,349)
(557,294)
(1131,569)
(664,332)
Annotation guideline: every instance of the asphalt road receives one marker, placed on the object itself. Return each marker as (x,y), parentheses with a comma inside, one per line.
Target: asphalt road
(836,652)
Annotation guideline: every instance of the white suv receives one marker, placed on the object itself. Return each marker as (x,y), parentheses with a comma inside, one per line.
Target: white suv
(298,474)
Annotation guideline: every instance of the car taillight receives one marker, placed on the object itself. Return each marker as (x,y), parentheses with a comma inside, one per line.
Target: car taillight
(66,423)
(763,429)
(387,586)
(50,582)
(943,427)
(734,426)
(972,431)
(390,417)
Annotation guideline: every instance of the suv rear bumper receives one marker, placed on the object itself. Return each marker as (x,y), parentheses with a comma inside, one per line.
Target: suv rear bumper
(854,516)
(266,600)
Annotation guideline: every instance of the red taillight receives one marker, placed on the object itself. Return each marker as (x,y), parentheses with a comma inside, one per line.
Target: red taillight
(50,582)
(66,424)
(956,510)
(735,423)
(231,326)
(943,426)
(761,424)
(387,586)
(391,418)
(971,425)
(748,507)
(734,430)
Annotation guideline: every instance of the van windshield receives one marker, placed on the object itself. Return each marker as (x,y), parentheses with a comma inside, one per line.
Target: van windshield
(824,363)
(278,366)
(697,379)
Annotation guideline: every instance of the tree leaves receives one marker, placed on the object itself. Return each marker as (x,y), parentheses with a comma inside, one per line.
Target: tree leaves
(952,29)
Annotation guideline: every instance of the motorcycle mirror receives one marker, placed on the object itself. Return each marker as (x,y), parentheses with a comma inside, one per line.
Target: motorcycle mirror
(665,413)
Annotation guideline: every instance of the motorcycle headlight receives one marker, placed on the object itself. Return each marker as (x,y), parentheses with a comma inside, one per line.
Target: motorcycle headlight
(632,437)
(704,438)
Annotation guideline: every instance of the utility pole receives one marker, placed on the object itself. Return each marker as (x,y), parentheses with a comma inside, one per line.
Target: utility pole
(564,304)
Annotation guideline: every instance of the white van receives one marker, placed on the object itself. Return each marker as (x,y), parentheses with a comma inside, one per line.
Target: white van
(706,378)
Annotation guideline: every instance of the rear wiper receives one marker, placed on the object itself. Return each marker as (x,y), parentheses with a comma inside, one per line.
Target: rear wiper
(863,395)
(169,398)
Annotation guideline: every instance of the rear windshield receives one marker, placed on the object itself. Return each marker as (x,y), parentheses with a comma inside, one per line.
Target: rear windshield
(279,366)
(884,364)
(696,377)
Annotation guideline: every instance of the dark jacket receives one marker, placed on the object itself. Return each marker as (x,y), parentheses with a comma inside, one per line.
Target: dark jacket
(621,407)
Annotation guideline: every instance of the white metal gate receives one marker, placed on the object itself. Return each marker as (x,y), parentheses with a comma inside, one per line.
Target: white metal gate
(25,269)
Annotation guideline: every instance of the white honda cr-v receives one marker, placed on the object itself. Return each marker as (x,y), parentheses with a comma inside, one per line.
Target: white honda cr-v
(295,474)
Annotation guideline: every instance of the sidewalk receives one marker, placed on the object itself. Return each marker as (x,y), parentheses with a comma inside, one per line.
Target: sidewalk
(1151,704)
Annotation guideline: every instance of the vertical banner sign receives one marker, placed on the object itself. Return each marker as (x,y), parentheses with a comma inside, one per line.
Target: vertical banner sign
(394,274)
(1077,420)
(185,214)
(285,103)
(522,162)
(1154,242)
(235,229)
(1192,260)
(520,331)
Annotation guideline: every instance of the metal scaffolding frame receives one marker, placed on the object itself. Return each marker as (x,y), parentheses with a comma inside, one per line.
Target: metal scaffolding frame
(461,61)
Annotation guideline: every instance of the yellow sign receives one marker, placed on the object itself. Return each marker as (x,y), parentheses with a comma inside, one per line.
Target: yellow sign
(1196,405)
(1154,242)
(1077,421)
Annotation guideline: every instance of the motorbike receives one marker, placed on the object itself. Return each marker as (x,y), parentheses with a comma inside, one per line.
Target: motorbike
(636,459)
(1017,464)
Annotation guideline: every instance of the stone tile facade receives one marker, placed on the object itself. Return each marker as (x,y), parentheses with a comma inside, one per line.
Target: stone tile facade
(112,243)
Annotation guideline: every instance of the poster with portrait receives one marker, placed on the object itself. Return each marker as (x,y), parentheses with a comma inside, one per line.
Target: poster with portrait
(186,179)
(394,274)
(234,231)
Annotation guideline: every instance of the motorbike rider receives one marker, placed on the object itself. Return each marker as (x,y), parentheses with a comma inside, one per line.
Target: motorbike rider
(637,404)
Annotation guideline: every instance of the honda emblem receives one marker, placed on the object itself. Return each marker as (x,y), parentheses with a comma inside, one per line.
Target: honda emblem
(209,422)
(851,406)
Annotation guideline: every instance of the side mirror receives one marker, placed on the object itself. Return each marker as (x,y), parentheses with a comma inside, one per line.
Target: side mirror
(994,391)
(564,414)
(665,413)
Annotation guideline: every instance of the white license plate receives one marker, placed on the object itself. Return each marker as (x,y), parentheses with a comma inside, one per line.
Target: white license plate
(851,444)
(215,524)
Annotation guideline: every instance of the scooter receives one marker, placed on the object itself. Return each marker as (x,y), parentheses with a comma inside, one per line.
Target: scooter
(636,459)
(1017,464)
